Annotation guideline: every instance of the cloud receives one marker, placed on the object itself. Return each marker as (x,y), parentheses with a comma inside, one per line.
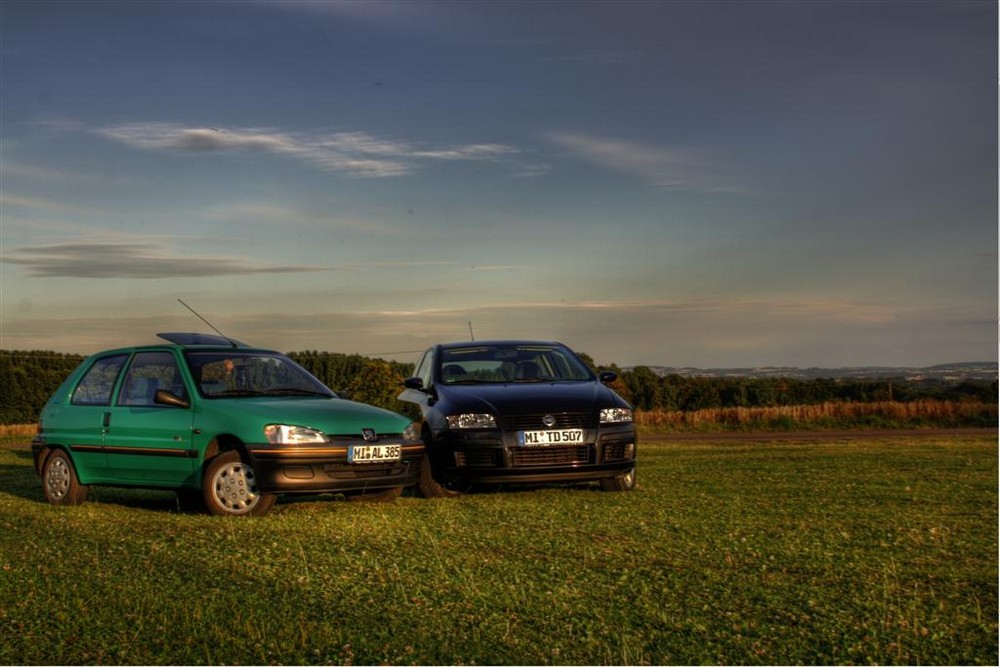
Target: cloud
(670,168)
(129,260)
(271,214)
(7,199)
(353,153)
(10,169)
(711,334)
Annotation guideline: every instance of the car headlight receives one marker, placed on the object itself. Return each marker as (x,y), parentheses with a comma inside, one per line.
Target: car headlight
(483,420)
(615,415)
(285,434)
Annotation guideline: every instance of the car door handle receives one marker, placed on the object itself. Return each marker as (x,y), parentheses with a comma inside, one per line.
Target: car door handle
(107,419)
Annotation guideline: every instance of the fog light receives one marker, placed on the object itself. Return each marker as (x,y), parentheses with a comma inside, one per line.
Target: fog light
(298,472)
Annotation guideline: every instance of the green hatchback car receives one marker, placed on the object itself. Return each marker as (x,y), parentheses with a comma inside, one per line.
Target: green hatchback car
(222,424)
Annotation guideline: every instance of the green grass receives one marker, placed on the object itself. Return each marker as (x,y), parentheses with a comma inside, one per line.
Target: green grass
(851,551)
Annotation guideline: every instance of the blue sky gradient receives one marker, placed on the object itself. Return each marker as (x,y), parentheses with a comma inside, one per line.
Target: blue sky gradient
(678,183)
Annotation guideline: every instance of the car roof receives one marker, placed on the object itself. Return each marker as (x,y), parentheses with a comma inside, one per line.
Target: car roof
(188,341)
(486,343)
(186,338)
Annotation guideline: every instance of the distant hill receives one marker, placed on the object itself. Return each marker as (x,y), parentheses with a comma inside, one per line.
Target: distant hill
(956,372)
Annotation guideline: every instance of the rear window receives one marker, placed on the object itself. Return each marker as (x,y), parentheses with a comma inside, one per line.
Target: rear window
(99,381)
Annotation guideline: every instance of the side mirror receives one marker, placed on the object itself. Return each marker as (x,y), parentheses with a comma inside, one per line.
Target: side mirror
(607,377)
(164,397)
(413,383)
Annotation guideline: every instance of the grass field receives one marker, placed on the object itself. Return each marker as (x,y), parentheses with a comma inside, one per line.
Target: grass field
(764,552)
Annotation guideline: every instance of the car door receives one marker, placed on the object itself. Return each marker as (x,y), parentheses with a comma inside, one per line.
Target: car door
(149,442)
(80,425)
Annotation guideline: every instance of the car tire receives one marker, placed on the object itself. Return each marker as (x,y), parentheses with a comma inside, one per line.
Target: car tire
(229,488)
(383,496)
(428,486)
(624,482)
(60,484)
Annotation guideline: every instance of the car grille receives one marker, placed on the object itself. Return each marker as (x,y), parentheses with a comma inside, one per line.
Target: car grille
(545,456)
(477,458)
(362,470)
(563,420)
(615,451)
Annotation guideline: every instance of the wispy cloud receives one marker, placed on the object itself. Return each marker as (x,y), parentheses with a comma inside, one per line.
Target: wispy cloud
(665,167)
(790,309)
(713,333)
(10,169)
(130,259)
(353,153)
(7,199)
(596,58)
(276,214)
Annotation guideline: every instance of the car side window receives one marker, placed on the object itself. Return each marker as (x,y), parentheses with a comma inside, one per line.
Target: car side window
(425,369)
(97,384)
(149,372)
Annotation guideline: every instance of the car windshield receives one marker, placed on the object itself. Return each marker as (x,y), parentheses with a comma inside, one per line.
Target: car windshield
(501,364)
(236,373)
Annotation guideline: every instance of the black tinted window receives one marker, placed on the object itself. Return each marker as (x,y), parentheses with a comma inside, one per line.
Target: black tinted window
(478,364)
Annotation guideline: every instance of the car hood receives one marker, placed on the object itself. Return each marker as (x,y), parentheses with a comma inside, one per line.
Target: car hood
(529,397)
(334,416)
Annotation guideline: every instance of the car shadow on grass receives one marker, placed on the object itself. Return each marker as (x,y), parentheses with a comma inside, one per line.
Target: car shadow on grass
(481,489)
(22,481)
(19,479)
(144,499)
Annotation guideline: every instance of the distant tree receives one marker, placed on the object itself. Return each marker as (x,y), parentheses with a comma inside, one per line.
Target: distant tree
(376,384)
(644,387)
(670,392)
(587,359)
(734,393)
(701,394)
(28,379)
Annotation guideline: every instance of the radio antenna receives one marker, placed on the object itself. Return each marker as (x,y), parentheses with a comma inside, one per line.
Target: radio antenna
(472,336)
(214,328)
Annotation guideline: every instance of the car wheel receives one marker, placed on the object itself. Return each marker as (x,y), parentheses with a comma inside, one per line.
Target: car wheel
(60,484)
(428,485)
(624,482)
(384,496)
(229,488)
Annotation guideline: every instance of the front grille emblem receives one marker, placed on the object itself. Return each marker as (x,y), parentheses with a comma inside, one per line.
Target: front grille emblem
(369,434)
(549,421)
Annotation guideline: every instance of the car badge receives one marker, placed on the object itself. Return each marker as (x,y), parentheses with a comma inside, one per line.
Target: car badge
(549,420)
(369,434)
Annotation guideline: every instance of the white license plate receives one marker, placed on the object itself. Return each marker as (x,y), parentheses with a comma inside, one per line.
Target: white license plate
(373,453)
(569,436)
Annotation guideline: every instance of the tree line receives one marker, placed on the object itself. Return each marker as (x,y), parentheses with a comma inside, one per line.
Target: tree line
(28,379)
(648,391)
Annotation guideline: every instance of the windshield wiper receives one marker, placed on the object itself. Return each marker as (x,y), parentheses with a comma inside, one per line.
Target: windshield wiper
(234,392)
(295,391)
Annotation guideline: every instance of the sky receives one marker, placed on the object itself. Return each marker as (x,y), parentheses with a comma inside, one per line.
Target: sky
(708,184)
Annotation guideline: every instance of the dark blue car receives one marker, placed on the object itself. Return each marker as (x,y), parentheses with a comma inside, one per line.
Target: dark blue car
(513,411)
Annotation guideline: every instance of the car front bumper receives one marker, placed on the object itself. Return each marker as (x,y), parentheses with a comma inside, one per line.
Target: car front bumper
(497,458)
(326,469)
